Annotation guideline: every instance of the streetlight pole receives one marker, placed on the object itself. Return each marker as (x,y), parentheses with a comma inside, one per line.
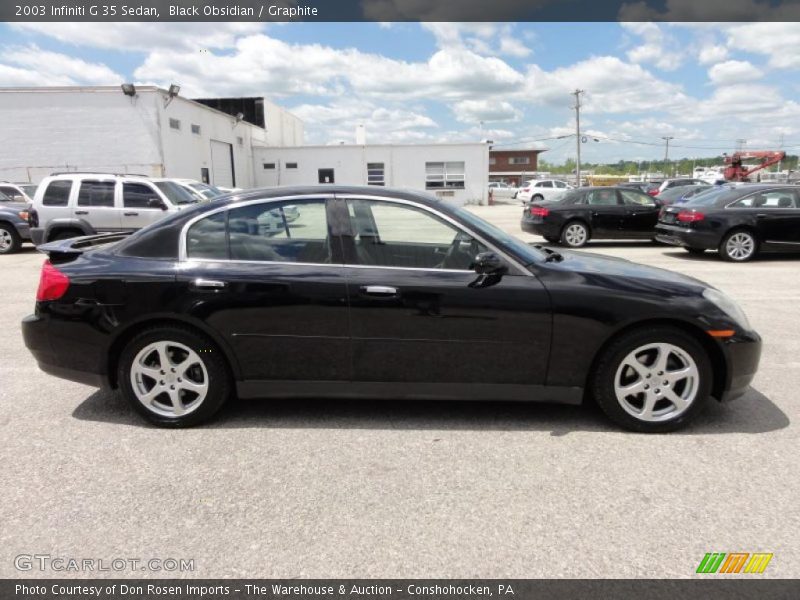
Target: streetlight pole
(577,94)
(666,138)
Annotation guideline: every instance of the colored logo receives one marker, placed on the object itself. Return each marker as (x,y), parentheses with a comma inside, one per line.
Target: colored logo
(734,562)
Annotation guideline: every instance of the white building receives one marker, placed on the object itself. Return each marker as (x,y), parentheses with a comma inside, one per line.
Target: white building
(455,172)
(48,129)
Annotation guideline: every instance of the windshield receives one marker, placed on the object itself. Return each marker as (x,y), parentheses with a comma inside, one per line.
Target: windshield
(176,194)
(527,253)
(29,190)
(4,198)
(207,191)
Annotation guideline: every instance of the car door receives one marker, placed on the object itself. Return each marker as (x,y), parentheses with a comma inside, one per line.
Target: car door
(141,205)
(777,215)
(640,213)
(544,189)
(416,315)
(96,204)
(605,211)
(274,290)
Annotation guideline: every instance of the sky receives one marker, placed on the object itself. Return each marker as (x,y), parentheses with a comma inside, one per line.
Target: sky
(706,85)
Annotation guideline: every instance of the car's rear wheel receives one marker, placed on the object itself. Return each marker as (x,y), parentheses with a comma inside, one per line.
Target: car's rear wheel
(537,198)
(695,251)
(653,380)
(10,241)
(739,245)
(173,377)
(575,234)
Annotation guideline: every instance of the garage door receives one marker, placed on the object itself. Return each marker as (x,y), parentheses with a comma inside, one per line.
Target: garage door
(222,164)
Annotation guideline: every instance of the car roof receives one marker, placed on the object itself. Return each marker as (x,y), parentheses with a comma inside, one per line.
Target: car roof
(328,189)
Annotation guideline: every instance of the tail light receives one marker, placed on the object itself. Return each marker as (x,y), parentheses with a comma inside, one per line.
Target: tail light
(653,192)
(689,216)
(53,283)
(23,214)
(526,189)
(539,211)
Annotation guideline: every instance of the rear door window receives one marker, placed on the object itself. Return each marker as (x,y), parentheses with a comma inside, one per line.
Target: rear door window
(96,193)
(602,197)
(57,193)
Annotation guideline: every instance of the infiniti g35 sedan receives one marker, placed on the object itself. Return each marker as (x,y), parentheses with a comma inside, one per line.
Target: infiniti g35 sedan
(377,294)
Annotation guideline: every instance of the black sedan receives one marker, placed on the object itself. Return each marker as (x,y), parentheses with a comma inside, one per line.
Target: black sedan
(593,213)
(378,294)
(737,220)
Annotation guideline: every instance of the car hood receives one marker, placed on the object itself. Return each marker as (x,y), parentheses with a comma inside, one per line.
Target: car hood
(610,266)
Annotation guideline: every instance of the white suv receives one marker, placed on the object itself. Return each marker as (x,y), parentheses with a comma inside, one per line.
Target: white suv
(67,205)
(541,189)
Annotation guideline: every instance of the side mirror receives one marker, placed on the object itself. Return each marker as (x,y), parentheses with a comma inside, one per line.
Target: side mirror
(156,203)
(490,269)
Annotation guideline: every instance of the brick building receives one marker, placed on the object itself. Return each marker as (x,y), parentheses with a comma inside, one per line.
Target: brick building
(513,166)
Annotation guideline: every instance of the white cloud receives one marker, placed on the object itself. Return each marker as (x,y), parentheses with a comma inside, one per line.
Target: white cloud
(733,71)
(490,39)
(778,41)
(32,66)
(473,111)
(712,53)
(657,48)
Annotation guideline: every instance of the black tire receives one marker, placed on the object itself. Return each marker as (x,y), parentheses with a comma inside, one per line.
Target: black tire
(10,241)
(219,380)
(695,251)
(601,381)
(729,254)
(568,240)
(64,234)
(537,198)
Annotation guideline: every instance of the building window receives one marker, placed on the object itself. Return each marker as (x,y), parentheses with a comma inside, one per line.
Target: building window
(519,160)
(444,175)
(269,165)
(291,165)
(196,129)
(492,161)
(240,140)
(375,174)
(175,124)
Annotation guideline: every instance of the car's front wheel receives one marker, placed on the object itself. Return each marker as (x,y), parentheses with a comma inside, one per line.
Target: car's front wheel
(575,234)
(10,241)
(173,377)
(652,380)
(739,245)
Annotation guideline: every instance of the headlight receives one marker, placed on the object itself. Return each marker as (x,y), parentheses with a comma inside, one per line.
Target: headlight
(727,305)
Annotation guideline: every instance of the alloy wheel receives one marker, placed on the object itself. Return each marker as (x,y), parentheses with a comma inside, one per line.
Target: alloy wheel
(656,382)
(575,235)
(740,246)
(6,241)
(169,378)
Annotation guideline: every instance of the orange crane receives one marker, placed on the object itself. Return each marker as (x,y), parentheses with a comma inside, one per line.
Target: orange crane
(739,172)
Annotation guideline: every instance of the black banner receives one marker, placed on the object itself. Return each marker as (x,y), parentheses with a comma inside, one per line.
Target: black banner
(713,588)
(400,10)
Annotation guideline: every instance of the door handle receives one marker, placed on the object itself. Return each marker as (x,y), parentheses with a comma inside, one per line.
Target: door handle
(131,214)
(81,212)
(379,290)
(209,284)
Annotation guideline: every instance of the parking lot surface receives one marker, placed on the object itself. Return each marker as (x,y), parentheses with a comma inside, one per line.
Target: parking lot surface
(332,488)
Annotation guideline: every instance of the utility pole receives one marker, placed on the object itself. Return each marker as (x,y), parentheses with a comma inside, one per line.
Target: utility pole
(666,138)
(577,94)
(740,144)
(780,162)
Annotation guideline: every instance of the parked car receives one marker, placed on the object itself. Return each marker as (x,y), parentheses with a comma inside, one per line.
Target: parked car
(14,229)
(681,194)
(502,191)
(73,204)
(18,192)
(202,191)
(738,221)
(668,184)
(542,189)
(643,186)
(593,213)
(377,293)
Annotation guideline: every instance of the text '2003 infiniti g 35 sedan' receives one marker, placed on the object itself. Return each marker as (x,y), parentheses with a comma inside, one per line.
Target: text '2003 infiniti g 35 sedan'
(377,294)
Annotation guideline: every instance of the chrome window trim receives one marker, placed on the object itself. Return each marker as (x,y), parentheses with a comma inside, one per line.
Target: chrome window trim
(183,252)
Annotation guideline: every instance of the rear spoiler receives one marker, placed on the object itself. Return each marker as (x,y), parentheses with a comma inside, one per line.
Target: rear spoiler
(65,250)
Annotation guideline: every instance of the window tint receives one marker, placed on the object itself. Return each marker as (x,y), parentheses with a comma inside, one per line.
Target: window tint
(545,184)
(137,195)
(57,193)
(207,239)
(284,232)
(96,193)
(631,198)
(771,199)
(560,184)
(395,235)
(602,197)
